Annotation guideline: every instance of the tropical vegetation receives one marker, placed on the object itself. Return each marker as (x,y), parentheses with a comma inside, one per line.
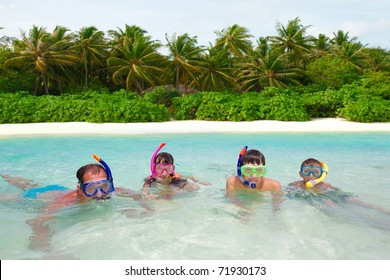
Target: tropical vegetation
(124,75)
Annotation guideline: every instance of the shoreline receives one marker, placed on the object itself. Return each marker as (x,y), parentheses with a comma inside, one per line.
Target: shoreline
(190,126)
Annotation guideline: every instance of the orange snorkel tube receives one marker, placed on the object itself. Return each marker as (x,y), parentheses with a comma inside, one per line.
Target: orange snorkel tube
(312,183)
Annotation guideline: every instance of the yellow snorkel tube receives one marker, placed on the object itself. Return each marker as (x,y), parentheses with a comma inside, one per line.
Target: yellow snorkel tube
(312,183)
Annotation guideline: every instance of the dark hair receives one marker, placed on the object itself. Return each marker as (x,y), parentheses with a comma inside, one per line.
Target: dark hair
(164,158)
(254,157)
(311,161)
(93,168)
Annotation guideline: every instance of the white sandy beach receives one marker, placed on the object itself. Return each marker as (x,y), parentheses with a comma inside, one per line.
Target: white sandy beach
(79,128)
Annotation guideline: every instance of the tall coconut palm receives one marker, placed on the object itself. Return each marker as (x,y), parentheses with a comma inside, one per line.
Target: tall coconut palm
(216,72)
(341,37)
(292,40)
(46,54)
(137,65)
(184,53)
(258,72)
(91,46)
(321,46)
(128,36)
(235,40)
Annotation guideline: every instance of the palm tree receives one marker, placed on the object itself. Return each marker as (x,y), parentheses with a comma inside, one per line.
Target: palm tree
(91,47)
(235,40)
(185,55)
(128,36)
(215,72)
(260,71)
(137,64)
(342,37)
(321,46)
(292,40)
(46,54)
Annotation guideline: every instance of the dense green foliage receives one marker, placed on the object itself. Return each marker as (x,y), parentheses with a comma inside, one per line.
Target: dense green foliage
(89,107)
(121,76)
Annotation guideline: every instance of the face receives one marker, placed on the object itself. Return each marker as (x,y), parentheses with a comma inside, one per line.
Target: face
(310,172)
(96,186)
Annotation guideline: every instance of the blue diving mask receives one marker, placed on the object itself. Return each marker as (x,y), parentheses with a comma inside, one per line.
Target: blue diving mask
(104,186)
(316,171)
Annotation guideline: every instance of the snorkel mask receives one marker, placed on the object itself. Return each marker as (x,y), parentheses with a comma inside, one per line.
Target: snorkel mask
(167,168)
(105,186)
(312,170)
(260,170)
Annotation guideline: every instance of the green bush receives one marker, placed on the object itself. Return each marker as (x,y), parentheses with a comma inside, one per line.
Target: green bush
(323,104)
(161,95)
(331,72)
(215,106)
(88,106)
(186,106)
(367,109)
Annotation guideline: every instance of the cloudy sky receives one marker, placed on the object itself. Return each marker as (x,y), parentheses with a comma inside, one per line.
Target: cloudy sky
(368,20)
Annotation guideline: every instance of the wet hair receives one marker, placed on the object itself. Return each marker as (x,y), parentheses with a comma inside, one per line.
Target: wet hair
(93,168)
(253,157)
(311,161)
(164,158)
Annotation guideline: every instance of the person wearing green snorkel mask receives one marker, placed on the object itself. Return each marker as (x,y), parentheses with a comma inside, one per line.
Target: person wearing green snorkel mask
(250,178)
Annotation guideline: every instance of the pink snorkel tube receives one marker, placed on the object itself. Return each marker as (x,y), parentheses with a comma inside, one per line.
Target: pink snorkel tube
(152,163)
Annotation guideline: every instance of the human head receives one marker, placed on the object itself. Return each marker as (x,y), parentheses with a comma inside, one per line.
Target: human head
(92,173)
(254,162)
(309,162)
(253,157)
(165,161)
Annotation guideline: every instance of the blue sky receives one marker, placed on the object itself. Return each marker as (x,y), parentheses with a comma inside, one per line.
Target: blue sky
(369,21)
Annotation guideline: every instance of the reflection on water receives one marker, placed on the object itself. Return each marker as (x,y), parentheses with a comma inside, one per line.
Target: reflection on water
(202,224)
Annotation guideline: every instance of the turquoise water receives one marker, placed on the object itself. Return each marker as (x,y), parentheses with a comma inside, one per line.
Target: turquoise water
(202,224)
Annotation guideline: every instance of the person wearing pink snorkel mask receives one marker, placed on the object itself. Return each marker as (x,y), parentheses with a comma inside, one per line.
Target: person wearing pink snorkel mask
(164,176)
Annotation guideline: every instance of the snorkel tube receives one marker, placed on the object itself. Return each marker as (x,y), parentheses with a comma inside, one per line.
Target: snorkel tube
(239,174)
(152,163)
(312,183)
(106,167)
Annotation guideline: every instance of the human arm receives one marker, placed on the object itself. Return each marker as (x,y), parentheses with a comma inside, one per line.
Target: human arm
(19,182)
(145,191)
(367,205)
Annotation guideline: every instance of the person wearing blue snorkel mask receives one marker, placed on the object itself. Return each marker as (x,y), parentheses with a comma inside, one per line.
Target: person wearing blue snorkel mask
(95,182)
(251,171)
(313,188)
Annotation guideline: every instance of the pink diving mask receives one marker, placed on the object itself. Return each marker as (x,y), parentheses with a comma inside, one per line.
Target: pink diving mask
(152,160)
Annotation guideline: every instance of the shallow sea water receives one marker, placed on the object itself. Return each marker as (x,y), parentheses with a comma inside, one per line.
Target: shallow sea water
(202,225)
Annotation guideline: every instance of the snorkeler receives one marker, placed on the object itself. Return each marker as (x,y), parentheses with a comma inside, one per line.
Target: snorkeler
(251,171)
(164,175)
(95,182)
(313,188)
